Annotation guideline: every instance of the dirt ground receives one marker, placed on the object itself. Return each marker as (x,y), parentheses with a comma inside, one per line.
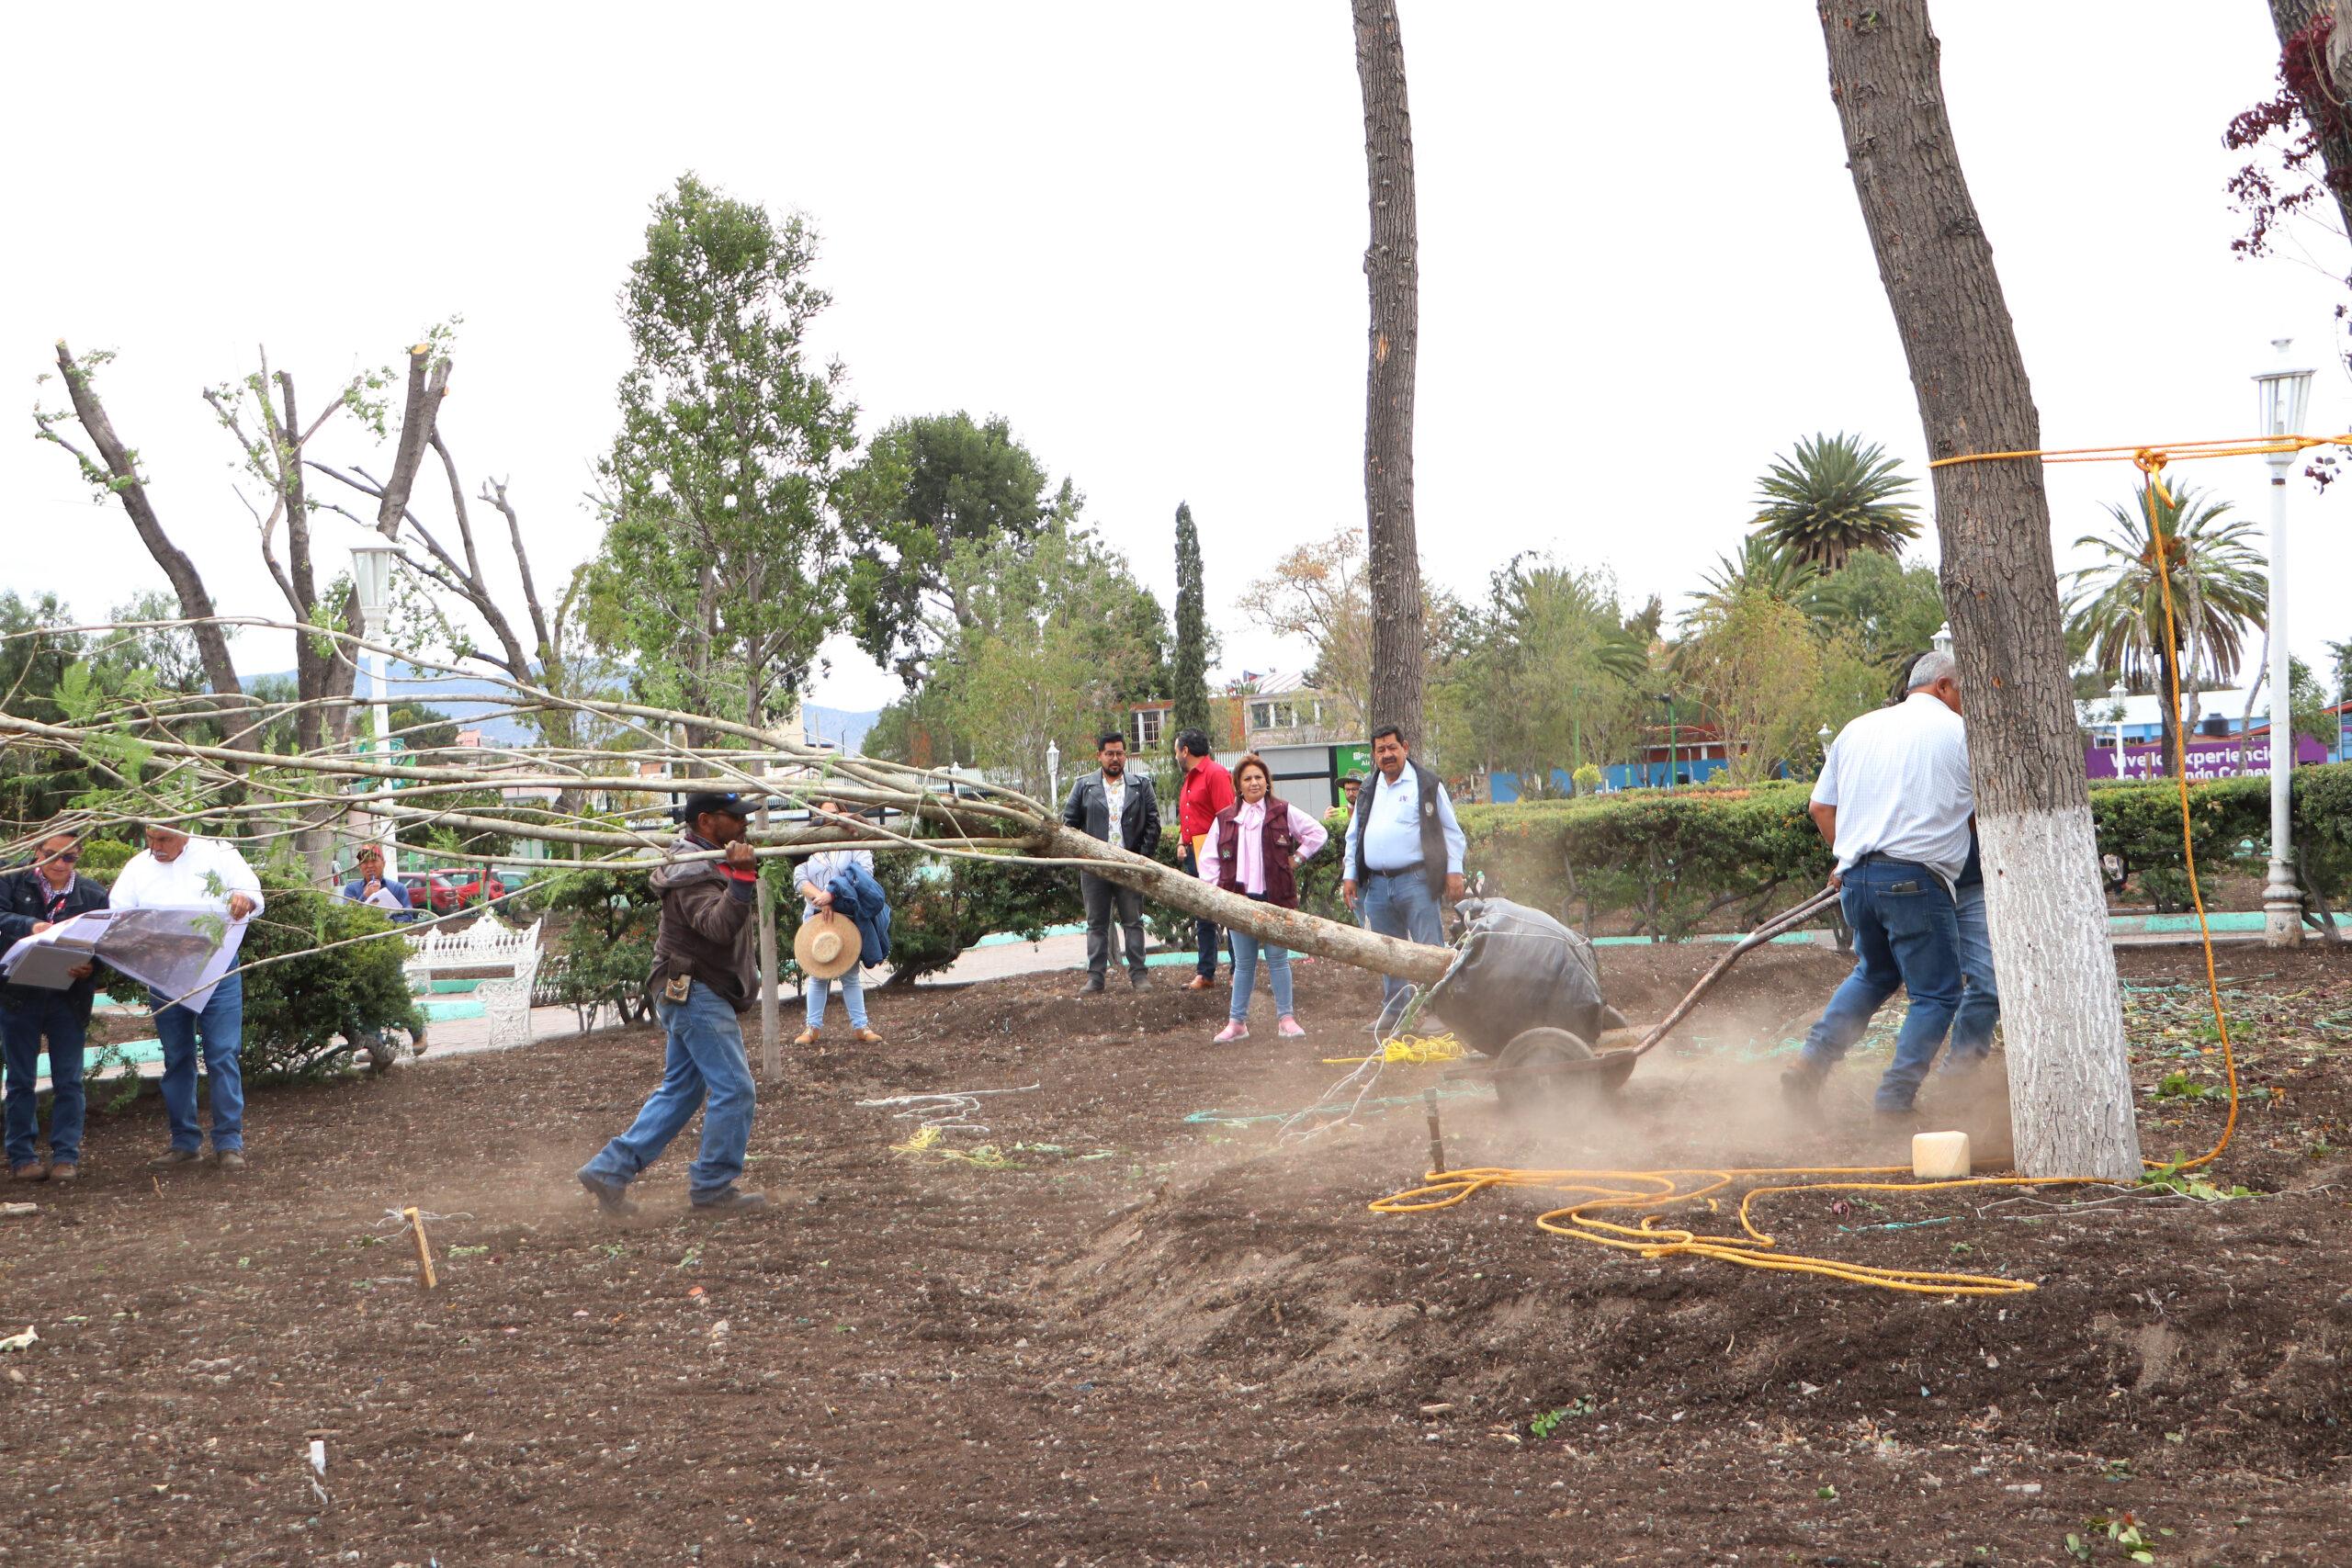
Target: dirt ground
(1112,1328)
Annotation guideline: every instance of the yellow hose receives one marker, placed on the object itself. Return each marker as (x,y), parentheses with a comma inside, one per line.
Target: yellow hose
(1606,1190)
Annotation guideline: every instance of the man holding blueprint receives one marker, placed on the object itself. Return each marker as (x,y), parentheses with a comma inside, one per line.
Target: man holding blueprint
(45,896)
(182,875)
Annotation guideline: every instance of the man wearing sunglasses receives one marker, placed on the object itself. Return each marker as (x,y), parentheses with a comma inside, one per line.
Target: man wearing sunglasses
(32,899)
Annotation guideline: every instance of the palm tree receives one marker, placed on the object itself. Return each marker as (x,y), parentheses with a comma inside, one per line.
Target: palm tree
(2220,589)
(1761,568)
(1833,496)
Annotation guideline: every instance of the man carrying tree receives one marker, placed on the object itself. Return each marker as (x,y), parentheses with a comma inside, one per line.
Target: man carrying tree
(706,976)
(1894,802)
(1404,853)
(1207,790)
(1112,806)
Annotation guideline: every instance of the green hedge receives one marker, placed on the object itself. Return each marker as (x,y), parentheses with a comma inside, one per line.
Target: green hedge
(1672,857)
(295,1008)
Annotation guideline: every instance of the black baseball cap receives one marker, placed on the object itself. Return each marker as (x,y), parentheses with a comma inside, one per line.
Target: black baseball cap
(705,800)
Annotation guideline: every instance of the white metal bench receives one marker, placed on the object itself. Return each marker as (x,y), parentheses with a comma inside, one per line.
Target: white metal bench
(489,944)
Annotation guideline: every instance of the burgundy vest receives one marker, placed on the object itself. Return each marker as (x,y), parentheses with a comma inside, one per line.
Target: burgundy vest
(1277,845)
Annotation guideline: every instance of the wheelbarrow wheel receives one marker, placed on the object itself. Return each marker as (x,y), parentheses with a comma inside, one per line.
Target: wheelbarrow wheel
(1525,1079)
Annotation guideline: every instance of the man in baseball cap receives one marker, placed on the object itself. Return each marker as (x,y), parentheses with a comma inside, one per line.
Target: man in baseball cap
(706,976)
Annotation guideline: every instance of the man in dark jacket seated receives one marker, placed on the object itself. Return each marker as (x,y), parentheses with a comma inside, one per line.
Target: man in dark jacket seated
(370,887)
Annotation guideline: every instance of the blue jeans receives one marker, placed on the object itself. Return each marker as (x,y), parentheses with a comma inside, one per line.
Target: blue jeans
(852,997)
(221,1025)
(1246,948)
(1980,1004)
(706,1058)
(1400,905)
(1906,937)
(1205,933)
(65,1019)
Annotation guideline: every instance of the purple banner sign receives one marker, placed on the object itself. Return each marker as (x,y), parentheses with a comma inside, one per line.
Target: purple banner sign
(2207,759)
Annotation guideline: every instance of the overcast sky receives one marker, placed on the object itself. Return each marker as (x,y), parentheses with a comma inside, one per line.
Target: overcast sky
(1136,233)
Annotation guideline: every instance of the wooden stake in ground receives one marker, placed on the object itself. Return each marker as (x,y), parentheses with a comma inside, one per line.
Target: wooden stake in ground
(424,1248)
(2070,1082)
(1392,269)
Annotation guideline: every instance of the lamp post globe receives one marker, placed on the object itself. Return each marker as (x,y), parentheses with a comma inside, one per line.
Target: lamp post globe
(1053,770)
(371,592)
(2283,398)
(2116,694)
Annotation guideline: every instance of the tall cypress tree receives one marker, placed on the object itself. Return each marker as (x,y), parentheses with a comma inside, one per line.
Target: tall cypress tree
(1192,666)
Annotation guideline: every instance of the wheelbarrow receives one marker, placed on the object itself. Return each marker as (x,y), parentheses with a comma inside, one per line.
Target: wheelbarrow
(1525,991)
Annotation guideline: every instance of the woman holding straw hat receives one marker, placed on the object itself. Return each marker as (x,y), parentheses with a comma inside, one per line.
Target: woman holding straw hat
(1254,848)
(827,946)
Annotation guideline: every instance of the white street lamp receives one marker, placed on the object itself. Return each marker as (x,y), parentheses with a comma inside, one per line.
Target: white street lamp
(1825,736)
(2116,694)
(1053,770)
(1941,641)
(2285,395)
(371,583)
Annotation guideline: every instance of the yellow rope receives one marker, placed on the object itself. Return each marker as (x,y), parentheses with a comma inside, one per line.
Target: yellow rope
(1408,1050)
(1605,1190)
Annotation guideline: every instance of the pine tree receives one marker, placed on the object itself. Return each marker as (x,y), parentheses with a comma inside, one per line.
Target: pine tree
(1191,664)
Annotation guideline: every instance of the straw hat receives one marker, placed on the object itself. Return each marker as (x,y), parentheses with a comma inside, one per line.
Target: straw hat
(826,946)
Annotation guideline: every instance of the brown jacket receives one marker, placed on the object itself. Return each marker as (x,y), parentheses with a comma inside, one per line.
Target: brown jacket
(706,930)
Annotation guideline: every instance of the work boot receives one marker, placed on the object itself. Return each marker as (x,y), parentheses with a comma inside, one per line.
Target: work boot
(1200,983)
(1801,1085)
(806,1037)
(730,1200)
(174,1159)
(67,1171)
(611,1196)
(1093,987)
(229,1160)
(866,1037)
(30,1170)
(1139,979)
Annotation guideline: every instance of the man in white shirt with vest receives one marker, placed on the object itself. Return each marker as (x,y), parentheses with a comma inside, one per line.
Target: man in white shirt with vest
(1894,802)
(1404,853)
(175,871)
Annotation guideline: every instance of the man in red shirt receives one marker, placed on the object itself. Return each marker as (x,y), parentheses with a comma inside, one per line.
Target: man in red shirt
(1207,790)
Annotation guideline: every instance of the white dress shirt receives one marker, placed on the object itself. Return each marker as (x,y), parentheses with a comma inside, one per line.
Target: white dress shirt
(186,881)
(1898,777)
(1394,842)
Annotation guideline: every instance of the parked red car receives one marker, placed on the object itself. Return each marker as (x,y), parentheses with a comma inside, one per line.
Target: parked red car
(453,888)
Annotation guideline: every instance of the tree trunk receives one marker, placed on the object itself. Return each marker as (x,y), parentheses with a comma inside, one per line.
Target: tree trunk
(2290,18)
(1392,267)
(195,604)
(2070,1080)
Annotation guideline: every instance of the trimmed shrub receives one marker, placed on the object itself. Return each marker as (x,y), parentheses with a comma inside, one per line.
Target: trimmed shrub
(296,1007)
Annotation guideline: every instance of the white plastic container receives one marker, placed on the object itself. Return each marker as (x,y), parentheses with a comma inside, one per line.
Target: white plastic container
(1940,1157)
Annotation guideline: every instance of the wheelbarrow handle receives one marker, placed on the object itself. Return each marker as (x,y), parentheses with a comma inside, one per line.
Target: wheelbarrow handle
(1778,925)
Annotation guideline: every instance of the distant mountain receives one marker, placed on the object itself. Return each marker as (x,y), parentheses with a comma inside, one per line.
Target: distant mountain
(842,727)
(405,683)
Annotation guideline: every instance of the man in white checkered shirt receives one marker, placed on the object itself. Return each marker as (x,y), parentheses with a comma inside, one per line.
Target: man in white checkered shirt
(1894,801)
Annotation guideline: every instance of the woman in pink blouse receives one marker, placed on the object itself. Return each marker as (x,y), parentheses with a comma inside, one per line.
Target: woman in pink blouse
(1252,849)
